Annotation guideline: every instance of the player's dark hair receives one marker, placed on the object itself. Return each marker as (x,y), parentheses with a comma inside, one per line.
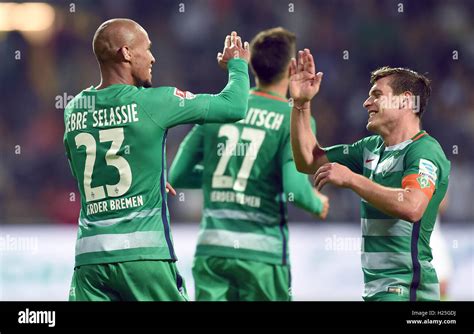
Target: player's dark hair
(405,80)
(271,52)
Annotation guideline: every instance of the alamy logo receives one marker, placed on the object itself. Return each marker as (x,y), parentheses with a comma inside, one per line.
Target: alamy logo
(37,317)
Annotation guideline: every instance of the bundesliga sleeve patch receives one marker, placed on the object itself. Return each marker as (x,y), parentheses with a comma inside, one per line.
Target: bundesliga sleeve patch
(183,94)
(428,169)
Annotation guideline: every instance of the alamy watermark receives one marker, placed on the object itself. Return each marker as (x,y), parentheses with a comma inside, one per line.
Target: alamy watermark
(391,101)
(37,317)
(85,102)
(237,149)
(342,244)
(9,243)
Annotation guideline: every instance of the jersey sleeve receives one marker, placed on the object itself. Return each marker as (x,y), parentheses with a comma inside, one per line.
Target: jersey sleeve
(186,169)
(299,190)
(286,153)
(423,164)
(350,156)
(170,106)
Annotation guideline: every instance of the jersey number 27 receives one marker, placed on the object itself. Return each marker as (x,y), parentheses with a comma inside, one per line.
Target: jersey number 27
(255,137)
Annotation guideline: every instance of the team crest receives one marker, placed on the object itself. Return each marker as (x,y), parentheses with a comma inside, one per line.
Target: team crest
(423,181)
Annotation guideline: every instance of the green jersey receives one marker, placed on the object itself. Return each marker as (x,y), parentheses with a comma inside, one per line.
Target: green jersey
(244,213)
(115,142)
(396,256)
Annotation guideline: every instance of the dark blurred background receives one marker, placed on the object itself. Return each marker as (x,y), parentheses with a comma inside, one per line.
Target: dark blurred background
(348,38)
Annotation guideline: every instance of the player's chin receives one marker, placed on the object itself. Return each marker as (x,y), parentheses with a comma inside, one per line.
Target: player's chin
(371,126)
(147,83)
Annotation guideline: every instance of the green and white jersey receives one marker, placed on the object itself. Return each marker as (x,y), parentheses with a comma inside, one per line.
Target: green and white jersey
(115,139)
(396,256)
(117,153)
(244,213)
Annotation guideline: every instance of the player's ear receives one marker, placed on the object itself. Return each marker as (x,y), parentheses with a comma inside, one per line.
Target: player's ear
(125,54)
(407,99)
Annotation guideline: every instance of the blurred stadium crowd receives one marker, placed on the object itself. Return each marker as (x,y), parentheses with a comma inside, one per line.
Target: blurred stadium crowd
(348,38)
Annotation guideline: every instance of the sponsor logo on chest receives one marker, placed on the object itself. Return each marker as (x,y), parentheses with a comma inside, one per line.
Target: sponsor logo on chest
(391,164)
(370,160)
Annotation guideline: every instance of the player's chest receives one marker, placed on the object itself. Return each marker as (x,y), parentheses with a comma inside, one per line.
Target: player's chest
(385,168)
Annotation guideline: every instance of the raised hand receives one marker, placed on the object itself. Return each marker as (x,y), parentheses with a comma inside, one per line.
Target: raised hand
(304,81)
(233,49)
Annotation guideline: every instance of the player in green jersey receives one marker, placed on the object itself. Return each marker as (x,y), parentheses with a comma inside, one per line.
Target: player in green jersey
(401,175)
(116,149)
(248,177)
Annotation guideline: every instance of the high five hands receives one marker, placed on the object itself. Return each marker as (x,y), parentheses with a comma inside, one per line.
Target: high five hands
(233,48)
(304,81)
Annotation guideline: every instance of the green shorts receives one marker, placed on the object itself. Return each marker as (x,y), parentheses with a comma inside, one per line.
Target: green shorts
(226,279)
(386,297)
(403,297)
(143,280)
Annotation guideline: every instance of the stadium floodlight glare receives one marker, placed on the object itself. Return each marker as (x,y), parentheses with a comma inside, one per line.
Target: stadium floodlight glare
(26,17)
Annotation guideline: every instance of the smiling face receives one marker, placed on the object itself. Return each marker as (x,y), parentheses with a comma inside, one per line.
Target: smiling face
(142,60)
(397,99)
(383,107)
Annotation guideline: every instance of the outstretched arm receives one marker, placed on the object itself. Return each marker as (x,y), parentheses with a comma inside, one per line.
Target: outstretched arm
(230,104)
(170,106)
(304,85)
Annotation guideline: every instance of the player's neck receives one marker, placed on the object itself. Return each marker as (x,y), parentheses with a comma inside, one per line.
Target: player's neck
(280,88)
(112,76)
(401,134)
